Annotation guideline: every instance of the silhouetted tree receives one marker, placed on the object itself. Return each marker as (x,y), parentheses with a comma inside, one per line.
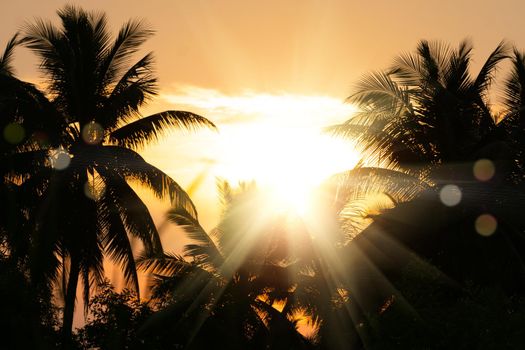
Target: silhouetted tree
(28,314)
(428,117)
(86,207)
(114,320)
(222,292)
(427,109)
(513,117)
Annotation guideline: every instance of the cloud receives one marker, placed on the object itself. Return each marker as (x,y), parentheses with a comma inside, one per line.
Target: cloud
(287,108)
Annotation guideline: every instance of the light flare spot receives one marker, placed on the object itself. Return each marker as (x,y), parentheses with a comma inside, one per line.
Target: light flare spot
(486,225)
(450,195)
(14,133)
(484,170)
(92,133)
(60,159)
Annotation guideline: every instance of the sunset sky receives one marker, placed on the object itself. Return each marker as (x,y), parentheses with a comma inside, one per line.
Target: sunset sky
(271,74)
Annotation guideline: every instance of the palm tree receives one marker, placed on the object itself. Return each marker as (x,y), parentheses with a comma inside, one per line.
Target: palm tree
(419,121)
(23,110)
(428,117)
(87,208)
(226,284)
(513,122)
(25,113)
(427,109)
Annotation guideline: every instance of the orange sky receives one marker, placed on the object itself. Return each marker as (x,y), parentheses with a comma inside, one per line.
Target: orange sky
(295,46)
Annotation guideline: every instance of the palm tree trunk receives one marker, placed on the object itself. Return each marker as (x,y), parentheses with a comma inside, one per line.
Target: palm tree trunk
(69,307)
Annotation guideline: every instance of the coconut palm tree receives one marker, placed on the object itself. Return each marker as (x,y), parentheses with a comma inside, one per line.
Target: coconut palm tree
(24,110)
(513,122)
(426,117)
(426,109)
(226,284)
(87,208)
(429,117)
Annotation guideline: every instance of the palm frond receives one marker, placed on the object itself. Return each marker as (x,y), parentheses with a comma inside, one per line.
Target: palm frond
(129,39)
(423,69)
(514,91)
(407,69)
(133,89)
(362,182)
(132,210)
(166,264)
(92,272)
(23,103)
(456,78)
(378,91)
(204,251)
(434,61)
(43,38)
(133,167)
(354,130)
(358,213)
(281,326)
(115,239)
(486,74)
(86,31)
(136,134)
(6,67)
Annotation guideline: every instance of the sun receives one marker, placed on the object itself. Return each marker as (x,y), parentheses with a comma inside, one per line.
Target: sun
(287,159)
(276,140)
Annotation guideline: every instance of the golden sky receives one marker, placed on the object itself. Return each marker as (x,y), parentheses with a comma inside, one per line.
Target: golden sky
(294,46)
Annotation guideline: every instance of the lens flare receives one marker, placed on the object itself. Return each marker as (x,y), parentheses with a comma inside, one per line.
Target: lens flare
(486,225)
(484,170)
(60,159)
(14,133)
(450,195)
(92,133)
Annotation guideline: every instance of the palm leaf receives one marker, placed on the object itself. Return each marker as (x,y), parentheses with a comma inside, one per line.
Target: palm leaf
(115,238)
(22,165)
(378,91)
(6,67)
(166,264)
(133,167)
(514,98)
(434,61)
(132,210)
(46,41)
(136,134)
(362,182)
(132,90)
(85,31)
(456,78)
(129,39)
(486,74)
(204,251)
(23,103)
(424,68)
